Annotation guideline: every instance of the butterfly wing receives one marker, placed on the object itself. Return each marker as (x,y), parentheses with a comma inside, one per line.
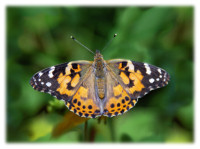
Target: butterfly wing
(132,81)
(84,102)
(117,100)
(69,82)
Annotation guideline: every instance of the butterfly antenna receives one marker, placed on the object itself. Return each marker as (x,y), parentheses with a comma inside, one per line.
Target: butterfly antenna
(109,42)
(81,44)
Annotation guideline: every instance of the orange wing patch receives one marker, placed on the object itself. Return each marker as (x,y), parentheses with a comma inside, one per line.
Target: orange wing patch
(75,80)
(136,78)
(64,80)
(124,78)
(130,77)
(117,90)
(69,80)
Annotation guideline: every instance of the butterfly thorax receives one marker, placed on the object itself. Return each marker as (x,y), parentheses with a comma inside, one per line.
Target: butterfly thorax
(100,72)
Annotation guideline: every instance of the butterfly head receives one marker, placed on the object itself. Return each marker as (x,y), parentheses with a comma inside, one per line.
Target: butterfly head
(98,56)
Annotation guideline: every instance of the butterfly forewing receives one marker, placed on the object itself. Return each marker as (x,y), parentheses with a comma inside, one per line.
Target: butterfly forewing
(138,78)
(62,80)
(46,80)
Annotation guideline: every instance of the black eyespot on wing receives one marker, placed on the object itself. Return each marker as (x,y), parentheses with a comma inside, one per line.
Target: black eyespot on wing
(93,115)
(97,111)
(109,114)
(90,107)
(112,105)
(79,103)
(75,100)
(127,98)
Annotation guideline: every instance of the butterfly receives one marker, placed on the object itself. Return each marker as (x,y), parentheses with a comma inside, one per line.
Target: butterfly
(101,87)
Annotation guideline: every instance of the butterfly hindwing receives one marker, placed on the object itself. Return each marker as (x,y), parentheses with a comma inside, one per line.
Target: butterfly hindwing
(84,102)
(118,100)
(138,78)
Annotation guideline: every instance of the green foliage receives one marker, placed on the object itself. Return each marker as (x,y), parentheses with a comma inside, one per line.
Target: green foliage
(39,37)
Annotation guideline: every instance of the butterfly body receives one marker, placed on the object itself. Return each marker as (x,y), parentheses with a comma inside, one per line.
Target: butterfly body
(100,87)
(100,75)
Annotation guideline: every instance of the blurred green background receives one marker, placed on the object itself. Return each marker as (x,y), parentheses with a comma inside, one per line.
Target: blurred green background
(39,37)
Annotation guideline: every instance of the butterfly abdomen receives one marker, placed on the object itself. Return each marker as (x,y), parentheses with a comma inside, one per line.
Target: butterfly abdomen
(101,87)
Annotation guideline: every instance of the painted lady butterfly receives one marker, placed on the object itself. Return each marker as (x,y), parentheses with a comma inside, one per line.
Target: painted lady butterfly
(100,87)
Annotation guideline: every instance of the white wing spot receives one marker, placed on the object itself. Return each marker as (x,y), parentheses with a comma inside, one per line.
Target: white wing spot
(148,70)
(160,76)
(157,79)
(51,72)
(68,68)
(48,84)
(151,80)
(150,88)
(130,65)
(165,75)
(34,79)
(159,70)
(39,79)
(40,74)
(42,83)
